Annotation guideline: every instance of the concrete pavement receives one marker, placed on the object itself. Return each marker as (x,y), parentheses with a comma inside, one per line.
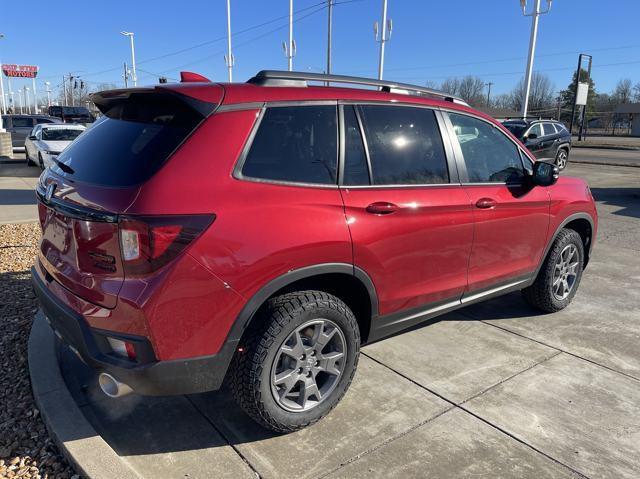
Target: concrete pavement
(496,389)
(17,198)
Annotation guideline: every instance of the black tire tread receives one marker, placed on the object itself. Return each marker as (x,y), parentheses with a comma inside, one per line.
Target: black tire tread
(246,370)
(539,293)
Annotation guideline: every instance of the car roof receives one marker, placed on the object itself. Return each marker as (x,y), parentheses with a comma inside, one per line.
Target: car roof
(62,126)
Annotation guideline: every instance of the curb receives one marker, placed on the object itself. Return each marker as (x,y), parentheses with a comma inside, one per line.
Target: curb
(83,447)
(603,163)
(606,147)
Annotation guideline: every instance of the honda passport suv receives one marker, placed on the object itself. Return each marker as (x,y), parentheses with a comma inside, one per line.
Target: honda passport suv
(259,234)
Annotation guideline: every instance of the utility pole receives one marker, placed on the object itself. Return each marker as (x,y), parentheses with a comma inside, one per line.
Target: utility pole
(229,59)
(125,75)
(532,46)
(290,48)
(488,85)
(385,34)
(134,77)
(329,34)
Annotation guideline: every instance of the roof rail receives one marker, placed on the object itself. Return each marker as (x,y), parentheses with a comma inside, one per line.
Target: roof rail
(300,79)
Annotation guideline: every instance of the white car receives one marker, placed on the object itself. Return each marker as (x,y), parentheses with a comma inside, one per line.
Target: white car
(46,141)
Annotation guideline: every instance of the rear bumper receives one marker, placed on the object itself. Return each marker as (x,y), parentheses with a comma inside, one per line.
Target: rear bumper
(149,377)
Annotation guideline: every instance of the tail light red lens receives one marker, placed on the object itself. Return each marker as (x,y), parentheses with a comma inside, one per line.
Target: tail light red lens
(149,242)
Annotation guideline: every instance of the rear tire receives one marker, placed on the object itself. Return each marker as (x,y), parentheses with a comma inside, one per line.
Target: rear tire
(559,278)
(562,157)
(288,374)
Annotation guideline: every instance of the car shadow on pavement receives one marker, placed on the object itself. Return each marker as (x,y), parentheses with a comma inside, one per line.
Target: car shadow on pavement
(134,425)
(628,199)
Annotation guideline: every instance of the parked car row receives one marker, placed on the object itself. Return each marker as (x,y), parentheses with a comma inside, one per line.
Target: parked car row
(21,126)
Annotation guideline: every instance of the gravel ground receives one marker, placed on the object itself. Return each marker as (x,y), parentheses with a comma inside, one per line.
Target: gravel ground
(26,451)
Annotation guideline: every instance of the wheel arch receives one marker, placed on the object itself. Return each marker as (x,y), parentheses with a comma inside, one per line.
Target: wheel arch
(583,224)
(349,283)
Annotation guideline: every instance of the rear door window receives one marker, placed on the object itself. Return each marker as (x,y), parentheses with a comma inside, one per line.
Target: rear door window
(536,130)
(548,129)
(295,144)
(489,156)
(405,146)
(131,141)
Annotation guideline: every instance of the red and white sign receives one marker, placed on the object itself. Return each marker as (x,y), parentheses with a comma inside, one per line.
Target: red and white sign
(20,71)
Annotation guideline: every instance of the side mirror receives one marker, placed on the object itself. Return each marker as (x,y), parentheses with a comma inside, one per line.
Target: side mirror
(531,136)
(545,174)
(33,137)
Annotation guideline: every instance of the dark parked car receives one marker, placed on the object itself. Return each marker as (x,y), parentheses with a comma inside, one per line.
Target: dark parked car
(262,232)
(548,140)
(21,125)
(72,114)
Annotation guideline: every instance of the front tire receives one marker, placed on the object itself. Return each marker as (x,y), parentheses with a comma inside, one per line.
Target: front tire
(297,360)
(559,278)
(562,157)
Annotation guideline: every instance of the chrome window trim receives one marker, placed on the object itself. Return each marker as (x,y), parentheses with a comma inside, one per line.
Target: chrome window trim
(237,169)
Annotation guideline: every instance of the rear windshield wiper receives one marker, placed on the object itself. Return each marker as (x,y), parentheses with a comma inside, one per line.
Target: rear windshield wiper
(66,168)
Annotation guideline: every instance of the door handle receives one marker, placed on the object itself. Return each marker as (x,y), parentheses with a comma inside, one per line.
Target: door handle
(485,203)
(382,208)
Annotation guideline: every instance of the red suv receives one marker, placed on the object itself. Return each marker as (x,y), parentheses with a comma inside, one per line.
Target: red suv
(262,232)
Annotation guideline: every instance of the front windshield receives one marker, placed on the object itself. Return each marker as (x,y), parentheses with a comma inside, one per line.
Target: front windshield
(60,134)
(516,129)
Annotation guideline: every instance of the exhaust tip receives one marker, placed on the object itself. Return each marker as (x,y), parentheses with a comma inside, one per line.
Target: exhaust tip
(112,387)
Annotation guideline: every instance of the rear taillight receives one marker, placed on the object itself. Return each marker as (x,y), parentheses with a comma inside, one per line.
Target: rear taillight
(149,242)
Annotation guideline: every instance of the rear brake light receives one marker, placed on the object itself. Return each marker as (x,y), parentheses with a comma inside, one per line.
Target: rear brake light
(148,243)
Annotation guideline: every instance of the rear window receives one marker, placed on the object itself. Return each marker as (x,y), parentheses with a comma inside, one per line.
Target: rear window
(60,134)
(131,141)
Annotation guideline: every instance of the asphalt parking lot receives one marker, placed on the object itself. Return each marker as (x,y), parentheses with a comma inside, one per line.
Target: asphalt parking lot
(495,390)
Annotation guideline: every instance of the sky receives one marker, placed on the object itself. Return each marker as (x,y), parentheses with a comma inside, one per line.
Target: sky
(430,41)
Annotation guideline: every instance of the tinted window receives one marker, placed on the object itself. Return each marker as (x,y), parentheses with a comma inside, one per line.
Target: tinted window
(45,120)
(131,141)
(405,146)
(560,127)
(298,144)
(536,130)
(60,134)
(488,154)
(516,129)
(548,129)
(21,122)
(356,171)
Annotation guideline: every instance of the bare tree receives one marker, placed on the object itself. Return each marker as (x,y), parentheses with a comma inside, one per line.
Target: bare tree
(636,92)
(622,92)
(505,101)
(469,88)
(541,96)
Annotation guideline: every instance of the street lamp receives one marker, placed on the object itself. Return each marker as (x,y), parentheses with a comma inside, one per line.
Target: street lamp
(4,104)
(133,58)
(385,33)
(535,13)
(27,100)
(47,84)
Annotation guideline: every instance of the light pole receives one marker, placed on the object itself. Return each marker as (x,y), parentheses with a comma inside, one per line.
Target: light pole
(27,100)
(385,34)
(35,97)
(290,47)
(47,84)
(20,99)
(329,34)
(534,14)
(4,104)
(228,58)
(133,58)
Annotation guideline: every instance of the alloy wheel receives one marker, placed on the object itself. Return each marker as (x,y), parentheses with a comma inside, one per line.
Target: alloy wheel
(565,272)
(561,160)
(308,365)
